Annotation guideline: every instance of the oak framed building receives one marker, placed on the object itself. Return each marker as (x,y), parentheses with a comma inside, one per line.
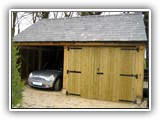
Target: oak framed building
(102,57)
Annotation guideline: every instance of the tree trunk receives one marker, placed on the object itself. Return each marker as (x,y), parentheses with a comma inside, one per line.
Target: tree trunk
(45,14)
(14,16)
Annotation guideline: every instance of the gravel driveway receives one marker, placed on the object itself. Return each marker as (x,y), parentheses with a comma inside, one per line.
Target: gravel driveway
(36,98)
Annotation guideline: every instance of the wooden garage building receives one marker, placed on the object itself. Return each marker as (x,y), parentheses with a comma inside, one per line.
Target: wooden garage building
(103,56)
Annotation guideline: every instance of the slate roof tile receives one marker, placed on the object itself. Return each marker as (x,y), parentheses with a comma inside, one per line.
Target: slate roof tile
(123,27)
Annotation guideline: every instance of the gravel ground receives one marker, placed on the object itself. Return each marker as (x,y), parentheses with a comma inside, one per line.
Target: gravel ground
(36,98)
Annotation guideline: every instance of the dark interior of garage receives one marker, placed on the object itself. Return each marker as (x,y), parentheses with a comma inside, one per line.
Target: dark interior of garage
(40,57)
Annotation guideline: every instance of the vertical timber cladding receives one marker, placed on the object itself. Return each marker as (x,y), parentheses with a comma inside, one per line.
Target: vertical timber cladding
(105,73)
(101,73)
(127,69)
(74,69)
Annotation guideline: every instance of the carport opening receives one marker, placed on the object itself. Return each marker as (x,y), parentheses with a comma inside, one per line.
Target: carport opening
(40,57)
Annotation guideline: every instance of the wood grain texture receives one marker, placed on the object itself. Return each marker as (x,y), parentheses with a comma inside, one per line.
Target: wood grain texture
(100,72)
(75,61)
(65,67)
(128,67)
(140,72)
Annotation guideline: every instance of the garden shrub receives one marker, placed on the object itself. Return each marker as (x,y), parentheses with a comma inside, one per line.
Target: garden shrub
(17,85)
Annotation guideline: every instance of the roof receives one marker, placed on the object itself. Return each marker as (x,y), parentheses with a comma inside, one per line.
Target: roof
(123,27)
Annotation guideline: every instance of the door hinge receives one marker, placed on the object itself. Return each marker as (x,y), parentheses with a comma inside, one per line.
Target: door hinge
(137,49)
(69,71)
(130,75)
(125,100)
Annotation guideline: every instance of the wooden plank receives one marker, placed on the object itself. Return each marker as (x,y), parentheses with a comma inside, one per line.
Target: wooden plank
(108,70)
(74,78)
(99,68)
(83,87)
(116,75)
(65,67)
(127,84)
(27,62)
(96,61)
(108,81)
(140,72)
(87,74)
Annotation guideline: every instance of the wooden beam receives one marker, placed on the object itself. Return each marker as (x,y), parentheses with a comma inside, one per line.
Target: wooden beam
(35,48)
(33,59)
(39,59)
(65,67)
(140,72)
(27,62)
(111,44)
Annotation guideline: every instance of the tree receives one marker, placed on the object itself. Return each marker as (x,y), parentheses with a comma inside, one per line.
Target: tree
(34,16)
(89,13)
(68,14)
(45,14)
(17,18)
(14,17)
(16,83)
(146,28)
(146,22)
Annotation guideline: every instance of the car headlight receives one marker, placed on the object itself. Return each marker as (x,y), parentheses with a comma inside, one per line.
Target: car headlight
(30,75)
(51,78)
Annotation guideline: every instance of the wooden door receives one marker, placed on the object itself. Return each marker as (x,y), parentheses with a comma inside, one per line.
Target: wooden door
(107,73)
(89,85)
(82,72)
(127,76)
(100,73)
(74,69)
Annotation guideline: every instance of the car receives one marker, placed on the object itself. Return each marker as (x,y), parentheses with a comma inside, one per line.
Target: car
(46,79)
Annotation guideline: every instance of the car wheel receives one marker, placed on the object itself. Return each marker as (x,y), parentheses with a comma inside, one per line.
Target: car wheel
(57,85)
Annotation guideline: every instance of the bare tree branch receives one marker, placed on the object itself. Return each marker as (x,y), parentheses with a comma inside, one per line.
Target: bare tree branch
(14,16)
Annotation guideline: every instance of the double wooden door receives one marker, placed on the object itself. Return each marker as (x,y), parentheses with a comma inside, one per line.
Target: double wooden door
(105,73)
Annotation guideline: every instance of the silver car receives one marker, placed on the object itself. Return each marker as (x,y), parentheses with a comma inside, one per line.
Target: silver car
(46,79)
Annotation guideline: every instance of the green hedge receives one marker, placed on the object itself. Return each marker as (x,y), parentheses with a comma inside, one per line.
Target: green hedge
(16,83)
